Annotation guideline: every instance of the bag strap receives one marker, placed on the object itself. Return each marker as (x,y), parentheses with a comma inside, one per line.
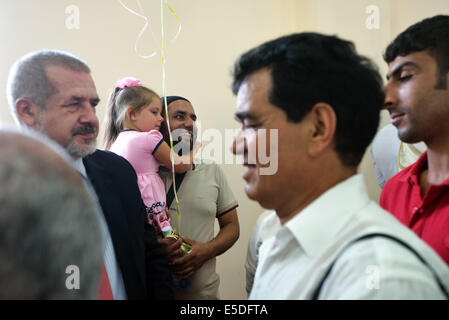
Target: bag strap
(369,236)
(171,193)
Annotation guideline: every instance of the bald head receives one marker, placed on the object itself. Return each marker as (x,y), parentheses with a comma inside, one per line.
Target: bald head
(48,222)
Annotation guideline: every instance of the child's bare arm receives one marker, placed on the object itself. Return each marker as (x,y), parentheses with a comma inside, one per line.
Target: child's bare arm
(182,163)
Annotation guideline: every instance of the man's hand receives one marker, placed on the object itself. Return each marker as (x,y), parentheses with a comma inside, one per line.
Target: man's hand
(172,247)
(186,266)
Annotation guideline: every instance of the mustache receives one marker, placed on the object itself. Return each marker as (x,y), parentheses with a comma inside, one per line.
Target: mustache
(85,128)
(399,109)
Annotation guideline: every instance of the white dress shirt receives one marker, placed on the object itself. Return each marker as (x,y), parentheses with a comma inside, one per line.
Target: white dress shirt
(293,262)
(266,226)
(109,259)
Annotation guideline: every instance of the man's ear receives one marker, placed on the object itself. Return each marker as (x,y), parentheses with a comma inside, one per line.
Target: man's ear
(27,111)
(323,123)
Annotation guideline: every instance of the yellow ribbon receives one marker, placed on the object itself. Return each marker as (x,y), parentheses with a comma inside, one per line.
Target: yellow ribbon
(185,247)
(164,91)
(179,20)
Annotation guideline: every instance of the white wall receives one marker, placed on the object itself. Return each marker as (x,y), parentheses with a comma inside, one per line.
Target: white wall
(198,64)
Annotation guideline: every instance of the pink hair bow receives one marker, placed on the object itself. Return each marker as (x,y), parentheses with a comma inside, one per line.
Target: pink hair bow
(127,82)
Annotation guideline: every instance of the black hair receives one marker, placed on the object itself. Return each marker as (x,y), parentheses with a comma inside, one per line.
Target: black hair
(308,68)
(171,99)
(431,35)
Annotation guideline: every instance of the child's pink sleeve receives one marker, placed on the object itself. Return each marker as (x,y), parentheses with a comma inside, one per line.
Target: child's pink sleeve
(154,140)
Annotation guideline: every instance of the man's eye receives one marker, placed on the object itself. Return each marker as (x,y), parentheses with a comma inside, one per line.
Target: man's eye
(252,125)
(405,78)
(72,105)
(179,117)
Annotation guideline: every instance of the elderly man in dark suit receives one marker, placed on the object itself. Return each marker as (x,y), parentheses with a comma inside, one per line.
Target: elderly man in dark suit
(53,92)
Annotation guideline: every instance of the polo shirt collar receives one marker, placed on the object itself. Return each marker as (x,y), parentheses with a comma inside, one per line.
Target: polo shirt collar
(412,175)
(316,227)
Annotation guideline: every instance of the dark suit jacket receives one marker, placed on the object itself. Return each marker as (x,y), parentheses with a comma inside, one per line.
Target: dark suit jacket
(142,261)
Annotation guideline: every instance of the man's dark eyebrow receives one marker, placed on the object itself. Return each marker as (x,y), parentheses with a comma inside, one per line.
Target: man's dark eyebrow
(184,113)
(95,101)
(399,68)
(78,99)
(240,116)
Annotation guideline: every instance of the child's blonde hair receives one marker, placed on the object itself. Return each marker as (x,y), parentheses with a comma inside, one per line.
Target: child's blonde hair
(120,99)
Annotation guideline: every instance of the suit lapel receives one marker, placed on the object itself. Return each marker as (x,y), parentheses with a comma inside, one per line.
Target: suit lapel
(113,211)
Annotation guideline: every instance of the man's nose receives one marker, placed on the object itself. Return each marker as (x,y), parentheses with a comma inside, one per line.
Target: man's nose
(391,98)
(88,114)
(189,123)
(238,146)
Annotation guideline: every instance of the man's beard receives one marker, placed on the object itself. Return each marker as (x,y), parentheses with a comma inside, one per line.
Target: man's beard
(76,152)
(182,143)
(74,149)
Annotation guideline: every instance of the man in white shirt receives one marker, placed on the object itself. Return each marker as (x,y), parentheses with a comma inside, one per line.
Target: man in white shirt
(314,102)
(266,226)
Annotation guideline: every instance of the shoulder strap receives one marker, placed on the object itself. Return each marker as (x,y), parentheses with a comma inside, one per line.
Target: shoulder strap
(369,236)
(171,193)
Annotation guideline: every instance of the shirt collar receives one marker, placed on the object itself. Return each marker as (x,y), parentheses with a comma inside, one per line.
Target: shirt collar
(316,226)
(413,174)
(79,166)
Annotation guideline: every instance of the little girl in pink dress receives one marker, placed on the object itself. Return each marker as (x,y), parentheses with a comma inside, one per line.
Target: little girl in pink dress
(132,132)
(138,148)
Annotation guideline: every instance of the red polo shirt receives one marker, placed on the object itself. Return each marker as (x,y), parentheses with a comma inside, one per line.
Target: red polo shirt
(428,217)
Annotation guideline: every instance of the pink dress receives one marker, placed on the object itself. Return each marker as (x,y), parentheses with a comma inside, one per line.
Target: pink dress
(138,148)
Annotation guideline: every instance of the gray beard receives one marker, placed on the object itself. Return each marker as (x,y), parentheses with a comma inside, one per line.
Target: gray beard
(76,152)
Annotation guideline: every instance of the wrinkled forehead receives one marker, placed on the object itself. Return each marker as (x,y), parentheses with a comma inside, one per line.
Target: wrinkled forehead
(67,79)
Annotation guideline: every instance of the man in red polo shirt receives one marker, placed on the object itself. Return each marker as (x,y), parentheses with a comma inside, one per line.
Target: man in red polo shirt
(417,98)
